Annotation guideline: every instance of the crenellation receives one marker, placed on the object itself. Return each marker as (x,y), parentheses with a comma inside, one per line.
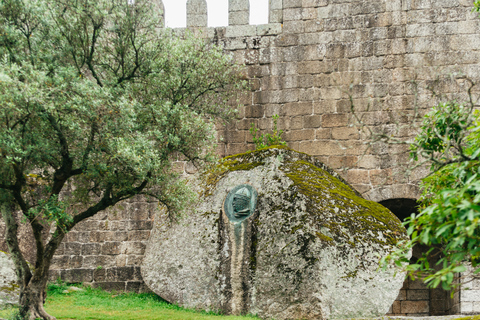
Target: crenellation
(160,9)
(238,12)
(197,14)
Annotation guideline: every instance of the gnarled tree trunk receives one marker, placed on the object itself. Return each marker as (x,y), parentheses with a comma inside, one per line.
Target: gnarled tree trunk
(32,286)
(32,298)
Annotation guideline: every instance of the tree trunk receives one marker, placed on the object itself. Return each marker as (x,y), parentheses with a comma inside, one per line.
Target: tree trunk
(32,299)
(32,287)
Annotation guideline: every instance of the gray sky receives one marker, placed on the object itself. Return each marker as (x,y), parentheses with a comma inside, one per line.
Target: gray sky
(176,12)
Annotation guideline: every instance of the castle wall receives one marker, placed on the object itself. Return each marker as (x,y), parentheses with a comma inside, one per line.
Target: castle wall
(304,66)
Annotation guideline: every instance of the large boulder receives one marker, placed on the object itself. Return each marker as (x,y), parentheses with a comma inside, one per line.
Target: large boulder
(278,234)
(9,289)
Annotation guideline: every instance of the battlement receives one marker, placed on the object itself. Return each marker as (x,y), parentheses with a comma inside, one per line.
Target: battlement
(238,12)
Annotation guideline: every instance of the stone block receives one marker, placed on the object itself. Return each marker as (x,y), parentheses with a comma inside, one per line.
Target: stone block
(255,111)
(418,295)
(311,67)
(294,123)
(73,248)
(138,235)
(99,274)
(293,53)
(396,307)
(335,120)
(309,94)
(414,307)
(315,52)
(77,275)
(362,188)
(134,260)
(416,284)
(59,262)
(439,294)
(133,247)
(334,93)
(297,108)
(240,31)
(314,3)
(238,5)
(111,274)
(438,307)
(292,4)
(336,162)
(234,148)
(300,135)
(275,16)
(239,18)
(323,134)
(125,273)
(60,250)
(275,4)
(324,106)
(295,27)
(402,295)
(271,28)
(140,225)
(312,121)
(358,176)
(134,286)
(111,248)
(470,295)
(467,307)
(121,260)
(321,148)
(197,14)
(348,133)
(292,14)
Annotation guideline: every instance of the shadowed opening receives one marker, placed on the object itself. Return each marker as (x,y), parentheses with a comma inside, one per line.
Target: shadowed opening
(415,299)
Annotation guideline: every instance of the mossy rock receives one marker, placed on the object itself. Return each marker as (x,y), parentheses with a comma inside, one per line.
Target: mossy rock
(9,289)
(310,250)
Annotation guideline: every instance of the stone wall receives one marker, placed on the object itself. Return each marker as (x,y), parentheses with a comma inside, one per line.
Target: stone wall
(469,298)
(304,66)
(107,249)
(415,299)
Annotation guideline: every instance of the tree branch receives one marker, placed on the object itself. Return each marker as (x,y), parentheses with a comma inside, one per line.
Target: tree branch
(96,29)
(64,172)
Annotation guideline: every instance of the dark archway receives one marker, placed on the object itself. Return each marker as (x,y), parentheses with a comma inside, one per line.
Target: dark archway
(415,299)
(402,208)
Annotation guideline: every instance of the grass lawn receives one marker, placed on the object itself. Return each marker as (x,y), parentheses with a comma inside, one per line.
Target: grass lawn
(101,305)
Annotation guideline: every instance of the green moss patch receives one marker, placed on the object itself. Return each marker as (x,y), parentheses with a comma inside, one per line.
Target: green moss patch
(349,215)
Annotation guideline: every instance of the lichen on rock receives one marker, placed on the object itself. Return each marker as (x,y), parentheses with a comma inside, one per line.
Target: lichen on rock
(9,289)
(310,250)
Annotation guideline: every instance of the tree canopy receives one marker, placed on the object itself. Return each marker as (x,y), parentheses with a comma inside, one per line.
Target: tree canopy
(96,100)
(448,222)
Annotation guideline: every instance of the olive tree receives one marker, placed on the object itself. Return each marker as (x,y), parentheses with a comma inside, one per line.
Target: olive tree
(95,101)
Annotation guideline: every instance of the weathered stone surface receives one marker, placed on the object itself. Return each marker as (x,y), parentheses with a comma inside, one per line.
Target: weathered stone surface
(310,250)
(9,289)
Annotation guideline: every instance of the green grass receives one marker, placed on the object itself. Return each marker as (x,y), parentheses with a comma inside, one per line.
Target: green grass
(101,305)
